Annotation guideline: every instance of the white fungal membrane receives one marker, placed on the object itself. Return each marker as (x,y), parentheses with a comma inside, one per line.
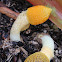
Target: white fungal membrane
(20,24)
(48,45)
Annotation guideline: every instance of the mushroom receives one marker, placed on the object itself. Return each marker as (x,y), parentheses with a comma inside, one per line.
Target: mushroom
(34,15)
(47,51)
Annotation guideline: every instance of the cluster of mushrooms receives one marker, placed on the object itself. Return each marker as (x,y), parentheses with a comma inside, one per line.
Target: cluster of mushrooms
(34,15)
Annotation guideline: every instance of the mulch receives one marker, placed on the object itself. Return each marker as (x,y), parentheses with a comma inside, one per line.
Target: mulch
(11,51)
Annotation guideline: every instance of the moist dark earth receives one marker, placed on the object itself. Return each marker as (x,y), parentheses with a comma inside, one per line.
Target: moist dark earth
(8,49)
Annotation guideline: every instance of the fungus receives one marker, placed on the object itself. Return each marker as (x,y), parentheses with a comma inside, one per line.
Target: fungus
(34,15)
(47,51)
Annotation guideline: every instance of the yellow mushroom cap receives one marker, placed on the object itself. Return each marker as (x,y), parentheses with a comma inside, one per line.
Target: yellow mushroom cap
(38,14)
(37,57)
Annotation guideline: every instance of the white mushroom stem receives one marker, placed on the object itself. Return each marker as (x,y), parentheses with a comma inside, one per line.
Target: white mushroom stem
(20,24)
(48,45)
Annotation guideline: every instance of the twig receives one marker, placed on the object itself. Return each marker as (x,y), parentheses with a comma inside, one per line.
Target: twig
(24,50)
(7,11)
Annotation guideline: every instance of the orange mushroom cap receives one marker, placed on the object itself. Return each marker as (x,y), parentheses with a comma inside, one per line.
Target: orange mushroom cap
(38,14)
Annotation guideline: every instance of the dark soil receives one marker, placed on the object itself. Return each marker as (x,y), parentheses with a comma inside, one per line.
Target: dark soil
(31,45)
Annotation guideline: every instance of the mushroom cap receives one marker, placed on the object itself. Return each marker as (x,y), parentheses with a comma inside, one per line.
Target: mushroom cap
(38,14)
(37,57)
